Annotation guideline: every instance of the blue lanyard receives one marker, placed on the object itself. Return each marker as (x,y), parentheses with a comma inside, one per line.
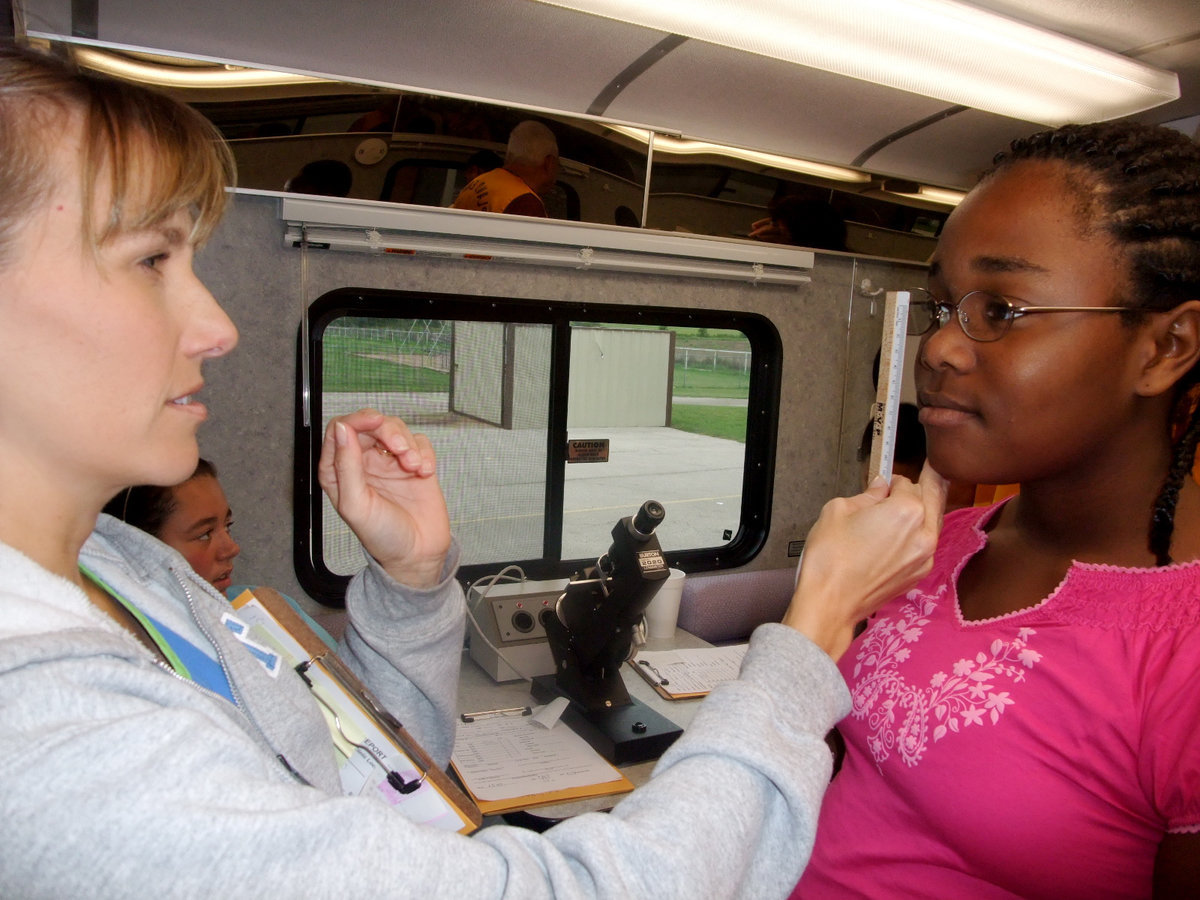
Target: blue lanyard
(160,641)
(188,660)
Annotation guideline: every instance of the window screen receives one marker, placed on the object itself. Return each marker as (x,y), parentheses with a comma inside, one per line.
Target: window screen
(551,422)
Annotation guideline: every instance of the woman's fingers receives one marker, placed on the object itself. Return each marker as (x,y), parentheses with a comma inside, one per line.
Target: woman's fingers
(393,441)
(381,479)
(862,551)
(348,466)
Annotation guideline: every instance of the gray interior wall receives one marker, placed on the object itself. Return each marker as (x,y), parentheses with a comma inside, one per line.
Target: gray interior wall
(828,336)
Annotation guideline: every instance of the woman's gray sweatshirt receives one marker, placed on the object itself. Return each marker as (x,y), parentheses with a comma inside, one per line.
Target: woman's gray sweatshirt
(119,778)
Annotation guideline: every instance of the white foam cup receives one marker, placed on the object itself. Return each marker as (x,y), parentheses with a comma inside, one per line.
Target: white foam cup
(663,611)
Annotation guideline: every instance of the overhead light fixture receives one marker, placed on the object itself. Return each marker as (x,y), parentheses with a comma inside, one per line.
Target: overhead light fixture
(916,191)
(936,48)
(665,144)
(218,76)
(940,195)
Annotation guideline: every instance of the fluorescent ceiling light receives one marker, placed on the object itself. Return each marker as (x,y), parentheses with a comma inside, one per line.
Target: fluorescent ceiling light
(677,146)
(940,195)
(186,76)
(916,191)
(923,192)
(937,48)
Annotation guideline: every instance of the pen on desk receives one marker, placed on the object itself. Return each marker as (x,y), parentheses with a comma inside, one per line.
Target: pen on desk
(488,713)
(657,674)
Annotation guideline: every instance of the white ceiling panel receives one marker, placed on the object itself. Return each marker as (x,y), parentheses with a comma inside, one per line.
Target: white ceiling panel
(950,152)
(720,95)
(532,55)
(512,51)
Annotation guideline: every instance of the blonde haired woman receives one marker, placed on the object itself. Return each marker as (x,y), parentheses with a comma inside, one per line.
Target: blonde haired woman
(143,751)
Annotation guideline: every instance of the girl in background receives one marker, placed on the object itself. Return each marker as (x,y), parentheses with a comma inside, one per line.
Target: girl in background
(193,517)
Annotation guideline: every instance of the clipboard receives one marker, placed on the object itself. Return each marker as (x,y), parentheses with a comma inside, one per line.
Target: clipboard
(655,681)
(489,733)
(550,798)
(690,673)
(336,679)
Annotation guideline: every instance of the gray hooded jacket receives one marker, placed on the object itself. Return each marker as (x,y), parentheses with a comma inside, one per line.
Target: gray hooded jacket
(119,778)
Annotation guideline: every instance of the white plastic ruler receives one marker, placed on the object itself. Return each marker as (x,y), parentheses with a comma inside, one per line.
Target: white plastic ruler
(887,394)
(885,410)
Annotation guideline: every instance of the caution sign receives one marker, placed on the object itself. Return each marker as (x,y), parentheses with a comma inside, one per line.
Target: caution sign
(587,451)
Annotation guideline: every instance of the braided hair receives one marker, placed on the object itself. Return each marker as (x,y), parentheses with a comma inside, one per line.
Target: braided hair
(1140,184)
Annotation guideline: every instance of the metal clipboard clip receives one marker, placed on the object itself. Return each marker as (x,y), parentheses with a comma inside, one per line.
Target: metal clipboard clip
(388,724)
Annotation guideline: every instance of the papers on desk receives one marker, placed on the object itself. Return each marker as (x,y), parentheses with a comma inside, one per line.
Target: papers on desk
(511,762)
(682,674)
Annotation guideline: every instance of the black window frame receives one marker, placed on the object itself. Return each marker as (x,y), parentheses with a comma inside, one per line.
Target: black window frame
(762,416)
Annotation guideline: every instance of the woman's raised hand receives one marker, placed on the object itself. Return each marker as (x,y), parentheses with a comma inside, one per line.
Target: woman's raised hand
(863,551)
(382,480)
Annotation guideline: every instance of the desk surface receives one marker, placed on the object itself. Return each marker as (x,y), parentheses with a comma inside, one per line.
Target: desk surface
(477,691)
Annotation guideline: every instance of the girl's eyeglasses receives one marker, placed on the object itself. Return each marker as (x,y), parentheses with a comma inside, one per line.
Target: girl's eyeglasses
(983,316)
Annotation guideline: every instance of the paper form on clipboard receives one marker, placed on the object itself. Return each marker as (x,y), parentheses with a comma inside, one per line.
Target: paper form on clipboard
(355,718)
(510,762)
(684,674)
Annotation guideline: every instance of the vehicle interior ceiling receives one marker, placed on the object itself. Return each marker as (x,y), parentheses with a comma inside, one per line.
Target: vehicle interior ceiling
(420,87)
(403,93)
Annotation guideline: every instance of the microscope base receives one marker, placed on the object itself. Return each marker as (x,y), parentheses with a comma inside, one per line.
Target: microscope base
(623,734)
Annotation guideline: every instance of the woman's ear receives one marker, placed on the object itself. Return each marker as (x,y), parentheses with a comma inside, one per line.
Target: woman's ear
(1176,348)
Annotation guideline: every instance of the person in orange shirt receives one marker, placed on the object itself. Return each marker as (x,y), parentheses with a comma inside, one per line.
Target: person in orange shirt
(530,169)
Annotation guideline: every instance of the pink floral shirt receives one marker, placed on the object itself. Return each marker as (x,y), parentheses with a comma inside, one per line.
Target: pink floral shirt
(1039,754)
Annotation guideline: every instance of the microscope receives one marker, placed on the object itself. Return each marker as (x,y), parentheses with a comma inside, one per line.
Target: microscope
(594,630)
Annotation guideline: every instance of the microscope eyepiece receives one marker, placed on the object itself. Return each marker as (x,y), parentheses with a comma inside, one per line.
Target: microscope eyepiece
(649,517)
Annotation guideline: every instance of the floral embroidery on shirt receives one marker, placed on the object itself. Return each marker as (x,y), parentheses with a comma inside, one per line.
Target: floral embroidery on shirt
(900,715)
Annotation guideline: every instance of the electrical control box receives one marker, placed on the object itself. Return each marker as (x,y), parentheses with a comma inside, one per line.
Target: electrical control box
(510,616)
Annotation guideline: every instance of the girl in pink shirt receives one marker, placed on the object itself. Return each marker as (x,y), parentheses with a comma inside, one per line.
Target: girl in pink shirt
(1026,721)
